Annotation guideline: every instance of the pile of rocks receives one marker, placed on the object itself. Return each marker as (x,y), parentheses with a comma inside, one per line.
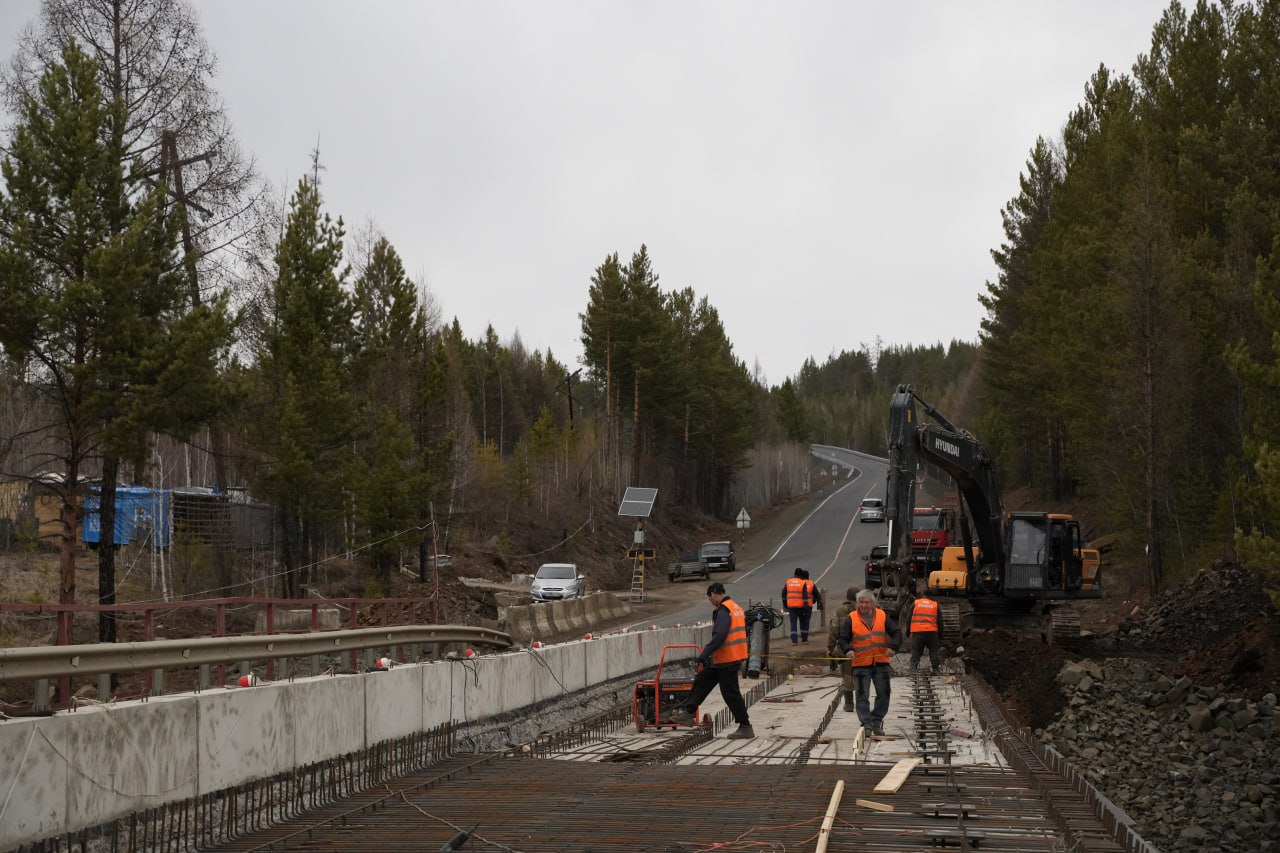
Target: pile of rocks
(1196,769)
(1209,606)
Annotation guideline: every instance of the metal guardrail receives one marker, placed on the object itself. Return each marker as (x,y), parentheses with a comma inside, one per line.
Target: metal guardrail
(44,662)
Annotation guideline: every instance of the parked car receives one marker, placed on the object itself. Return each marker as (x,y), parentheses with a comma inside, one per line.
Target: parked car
(872,509)
(718,556)
(690,565)
(878,553)
(557,581)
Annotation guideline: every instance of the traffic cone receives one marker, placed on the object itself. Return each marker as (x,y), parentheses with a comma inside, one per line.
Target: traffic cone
(249,680)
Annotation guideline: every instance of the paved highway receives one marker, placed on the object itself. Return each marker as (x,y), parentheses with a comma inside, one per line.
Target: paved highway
(830,542)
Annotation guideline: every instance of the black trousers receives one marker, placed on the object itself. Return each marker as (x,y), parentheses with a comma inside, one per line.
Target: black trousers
(921,640)
(727,677)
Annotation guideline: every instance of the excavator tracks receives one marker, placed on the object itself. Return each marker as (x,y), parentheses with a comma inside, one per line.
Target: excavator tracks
(953,619)
(1063,628)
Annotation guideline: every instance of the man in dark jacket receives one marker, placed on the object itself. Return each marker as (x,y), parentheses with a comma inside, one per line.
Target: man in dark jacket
(797,600)
(869,638)
(923,619)
(719,662)
(843,609)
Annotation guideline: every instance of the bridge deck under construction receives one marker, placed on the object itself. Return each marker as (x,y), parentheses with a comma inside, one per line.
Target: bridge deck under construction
(969,783)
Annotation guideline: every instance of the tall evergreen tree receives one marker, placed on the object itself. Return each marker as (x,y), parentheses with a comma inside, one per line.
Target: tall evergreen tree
(90,294)
(308,416)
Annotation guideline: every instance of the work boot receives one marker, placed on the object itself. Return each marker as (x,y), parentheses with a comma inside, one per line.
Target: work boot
(681,716)
(743,732)
(848,700)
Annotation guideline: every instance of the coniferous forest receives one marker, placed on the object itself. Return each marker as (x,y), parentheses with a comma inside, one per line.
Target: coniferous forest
(164,322)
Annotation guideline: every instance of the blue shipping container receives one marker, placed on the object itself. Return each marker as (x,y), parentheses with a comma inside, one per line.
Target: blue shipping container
(142,516)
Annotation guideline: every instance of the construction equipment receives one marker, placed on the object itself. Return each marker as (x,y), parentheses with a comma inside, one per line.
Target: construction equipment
(654,701)
(1025,567)
(761,619)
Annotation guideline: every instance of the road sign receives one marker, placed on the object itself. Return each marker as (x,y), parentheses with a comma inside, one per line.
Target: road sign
(744,520)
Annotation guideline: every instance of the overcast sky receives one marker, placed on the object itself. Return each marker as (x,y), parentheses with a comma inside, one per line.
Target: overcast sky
(826,173)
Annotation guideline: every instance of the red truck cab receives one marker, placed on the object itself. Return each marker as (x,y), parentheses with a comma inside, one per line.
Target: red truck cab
(932,529)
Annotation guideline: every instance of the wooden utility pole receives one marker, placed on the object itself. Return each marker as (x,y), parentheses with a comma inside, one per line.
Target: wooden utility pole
(171,165)
(567,384)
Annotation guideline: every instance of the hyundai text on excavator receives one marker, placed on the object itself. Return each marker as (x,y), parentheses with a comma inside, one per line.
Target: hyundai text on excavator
(1025,567)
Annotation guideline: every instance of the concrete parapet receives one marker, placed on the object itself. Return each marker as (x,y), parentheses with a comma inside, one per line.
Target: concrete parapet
(76,770)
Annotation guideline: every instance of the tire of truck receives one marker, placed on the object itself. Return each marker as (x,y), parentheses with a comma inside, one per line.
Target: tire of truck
(671,578)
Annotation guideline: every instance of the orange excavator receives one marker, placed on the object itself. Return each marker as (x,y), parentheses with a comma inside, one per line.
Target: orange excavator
(1013,569)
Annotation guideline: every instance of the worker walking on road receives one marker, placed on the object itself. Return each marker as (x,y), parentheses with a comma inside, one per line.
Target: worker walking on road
(924,627)
(798,600)
(720,660)
(843,609)
(869,639)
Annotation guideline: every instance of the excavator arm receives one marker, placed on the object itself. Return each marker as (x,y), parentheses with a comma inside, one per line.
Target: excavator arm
(956,452)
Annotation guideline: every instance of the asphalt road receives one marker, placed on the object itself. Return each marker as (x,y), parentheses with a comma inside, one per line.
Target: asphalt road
(830,542)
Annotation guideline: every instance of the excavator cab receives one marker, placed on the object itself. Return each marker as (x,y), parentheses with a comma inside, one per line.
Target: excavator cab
(1045,554)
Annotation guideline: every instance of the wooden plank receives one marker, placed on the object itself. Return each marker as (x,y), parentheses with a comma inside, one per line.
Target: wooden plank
(857,741)
(894,779)
(872,804)
(824,834)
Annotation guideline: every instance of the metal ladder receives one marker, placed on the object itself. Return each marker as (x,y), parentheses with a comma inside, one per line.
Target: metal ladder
(637,580)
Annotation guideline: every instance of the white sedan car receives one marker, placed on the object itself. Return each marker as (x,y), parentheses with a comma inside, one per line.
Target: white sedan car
(872,509)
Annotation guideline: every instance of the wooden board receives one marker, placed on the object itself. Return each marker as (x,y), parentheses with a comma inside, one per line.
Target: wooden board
(894,779)
(872,804)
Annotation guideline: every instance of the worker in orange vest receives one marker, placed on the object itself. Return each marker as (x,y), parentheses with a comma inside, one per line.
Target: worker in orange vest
(924,627)
(797,600)
(719,662)
(869,638)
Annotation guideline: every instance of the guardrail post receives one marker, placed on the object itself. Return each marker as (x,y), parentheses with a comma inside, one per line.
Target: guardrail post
(157,683)
(220,630)
(271,629)
(104,687)
(64,639)
(353,622)
(41,702)
(148,634)
(202,682)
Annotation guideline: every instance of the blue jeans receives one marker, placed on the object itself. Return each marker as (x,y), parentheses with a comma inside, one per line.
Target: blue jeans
(863,678)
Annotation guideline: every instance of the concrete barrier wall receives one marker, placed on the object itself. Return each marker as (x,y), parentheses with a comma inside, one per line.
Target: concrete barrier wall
(528,622)
(79,769)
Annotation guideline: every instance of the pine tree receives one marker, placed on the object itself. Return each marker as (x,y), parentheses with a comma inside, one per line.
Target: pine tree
(309,417)
(91,296)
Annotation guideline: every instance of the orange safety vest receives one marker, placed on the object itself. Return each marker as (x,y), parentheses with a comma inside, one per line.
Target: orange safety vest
(924,615)
(809,589)
(735,645)
(797,593)
(869,646)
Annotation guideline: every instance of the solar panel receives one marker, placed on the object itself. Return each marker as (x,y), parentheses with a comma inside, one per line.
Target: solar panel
(637,502)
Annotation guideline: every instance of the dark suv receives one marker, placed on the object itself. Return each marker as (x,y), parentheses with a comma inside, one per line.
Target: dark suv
(718,556)
(878,553)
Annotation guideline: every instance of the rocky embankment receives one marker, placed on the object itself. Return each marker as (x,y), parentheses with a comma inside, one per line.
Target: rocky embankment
(1174,716)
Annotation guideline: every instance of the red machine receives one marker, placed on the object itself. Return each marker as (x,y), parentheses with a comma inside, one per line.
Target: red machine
(933,528)
(654,700)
